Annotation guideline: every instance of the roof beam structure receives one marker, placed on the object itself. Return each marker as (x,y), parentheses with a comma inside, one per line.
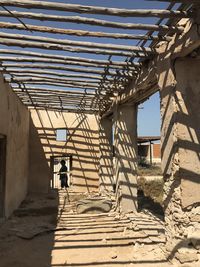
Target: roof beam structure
(42,63)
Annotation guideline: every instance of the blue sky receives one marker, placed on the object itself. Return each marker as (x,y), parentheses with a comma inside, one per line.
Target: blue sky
(149,115)
(149,120)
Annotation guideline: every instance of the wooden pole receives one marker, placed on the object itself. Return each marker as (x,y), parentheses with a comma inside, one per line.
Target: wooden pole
(46,67)
(64,62)
(51,46)
(90,21)
(63,80)
(94,9)
(75,43)
(49,90)
(32,73)
(66,58)
(82,33)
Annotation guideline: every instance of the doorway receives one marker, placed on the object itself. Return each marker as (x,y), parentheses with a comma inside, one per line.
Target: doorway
(55,167)
(2,174)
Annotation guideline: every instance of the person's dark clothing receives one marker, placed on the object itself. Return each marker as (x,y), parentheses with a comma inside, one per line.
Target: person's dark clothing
(63,176)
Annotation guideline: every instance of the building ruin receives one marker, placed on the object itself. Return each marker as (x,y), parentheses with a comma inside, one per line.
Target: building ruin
(95,99)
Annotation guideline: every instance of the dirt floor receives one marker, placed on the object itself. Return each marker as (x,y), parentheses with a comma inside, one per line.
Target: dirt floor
(46,231)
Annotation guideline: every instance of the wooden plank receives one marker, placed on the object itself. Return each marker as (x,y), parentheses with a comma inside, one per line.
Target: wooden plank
(66,58)
(93,9)
(90,21)
(82,33)
(51,46)
(75,43)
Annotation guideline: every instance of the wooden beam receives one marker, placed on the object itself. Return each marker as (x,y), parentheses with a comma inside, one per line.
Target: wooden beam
(75,43)
(32,75)
(59,83)
(46,78)
(63,80)
(45,67)
(70,85)
(54,96)
(21,72)
(66,58)
(56,101)
(82,33)
(90,21)
(64,62)
(57,91)
(27,79)
(93,9)
(51,46)
(66,85)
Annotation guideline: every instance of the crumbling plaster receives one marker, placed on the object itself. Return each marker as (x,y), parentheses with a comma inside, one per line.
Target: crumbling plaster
(178,79)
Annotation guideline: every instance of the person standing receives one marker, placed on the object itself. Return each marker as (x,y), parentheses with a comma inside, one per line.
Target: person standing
(63,174)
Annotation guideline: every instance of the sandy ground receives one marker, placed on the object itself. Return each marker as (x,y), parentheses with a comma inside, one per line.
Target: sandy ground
(46,231)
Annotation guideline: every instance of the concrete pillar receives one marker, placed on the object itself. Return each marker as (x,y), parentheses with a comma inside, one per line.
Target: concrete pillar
(126,157)
(106,156)
(180,101)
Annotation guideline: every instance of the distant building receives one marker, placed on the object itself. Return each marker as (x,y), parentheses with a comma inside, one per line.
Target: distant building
(149,149)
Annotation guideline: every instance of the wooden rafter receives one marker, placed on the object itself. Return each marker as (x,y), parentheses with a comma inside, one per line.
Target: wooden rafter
(52,46)
(63,68)
(74,43)
(82,33)
(93,9)
(96,22)
(59,81)
(66,62)
(40,73)
(68,58)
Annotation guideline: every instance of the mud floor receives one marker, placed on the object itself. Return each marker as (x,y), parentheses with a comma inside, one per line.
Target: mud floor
(46,231)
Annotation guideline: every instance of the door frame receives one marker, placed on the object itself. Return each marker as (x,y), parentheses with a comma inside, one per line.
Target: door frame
(52,166)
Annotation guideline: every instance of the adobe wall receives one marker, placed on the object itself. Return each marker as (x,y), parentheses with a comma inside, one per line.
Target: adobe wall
(82,145)
(14,124)
(179,82)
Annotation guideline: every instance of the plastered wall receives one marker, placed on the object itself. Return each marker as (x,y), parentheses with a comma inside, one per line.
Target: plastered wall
(82,144)
(179,83)
(14,124)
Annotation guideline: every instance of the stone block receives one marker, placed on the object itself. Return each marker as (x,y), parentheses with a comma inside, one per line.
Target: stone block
(185,255)
(97,205)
